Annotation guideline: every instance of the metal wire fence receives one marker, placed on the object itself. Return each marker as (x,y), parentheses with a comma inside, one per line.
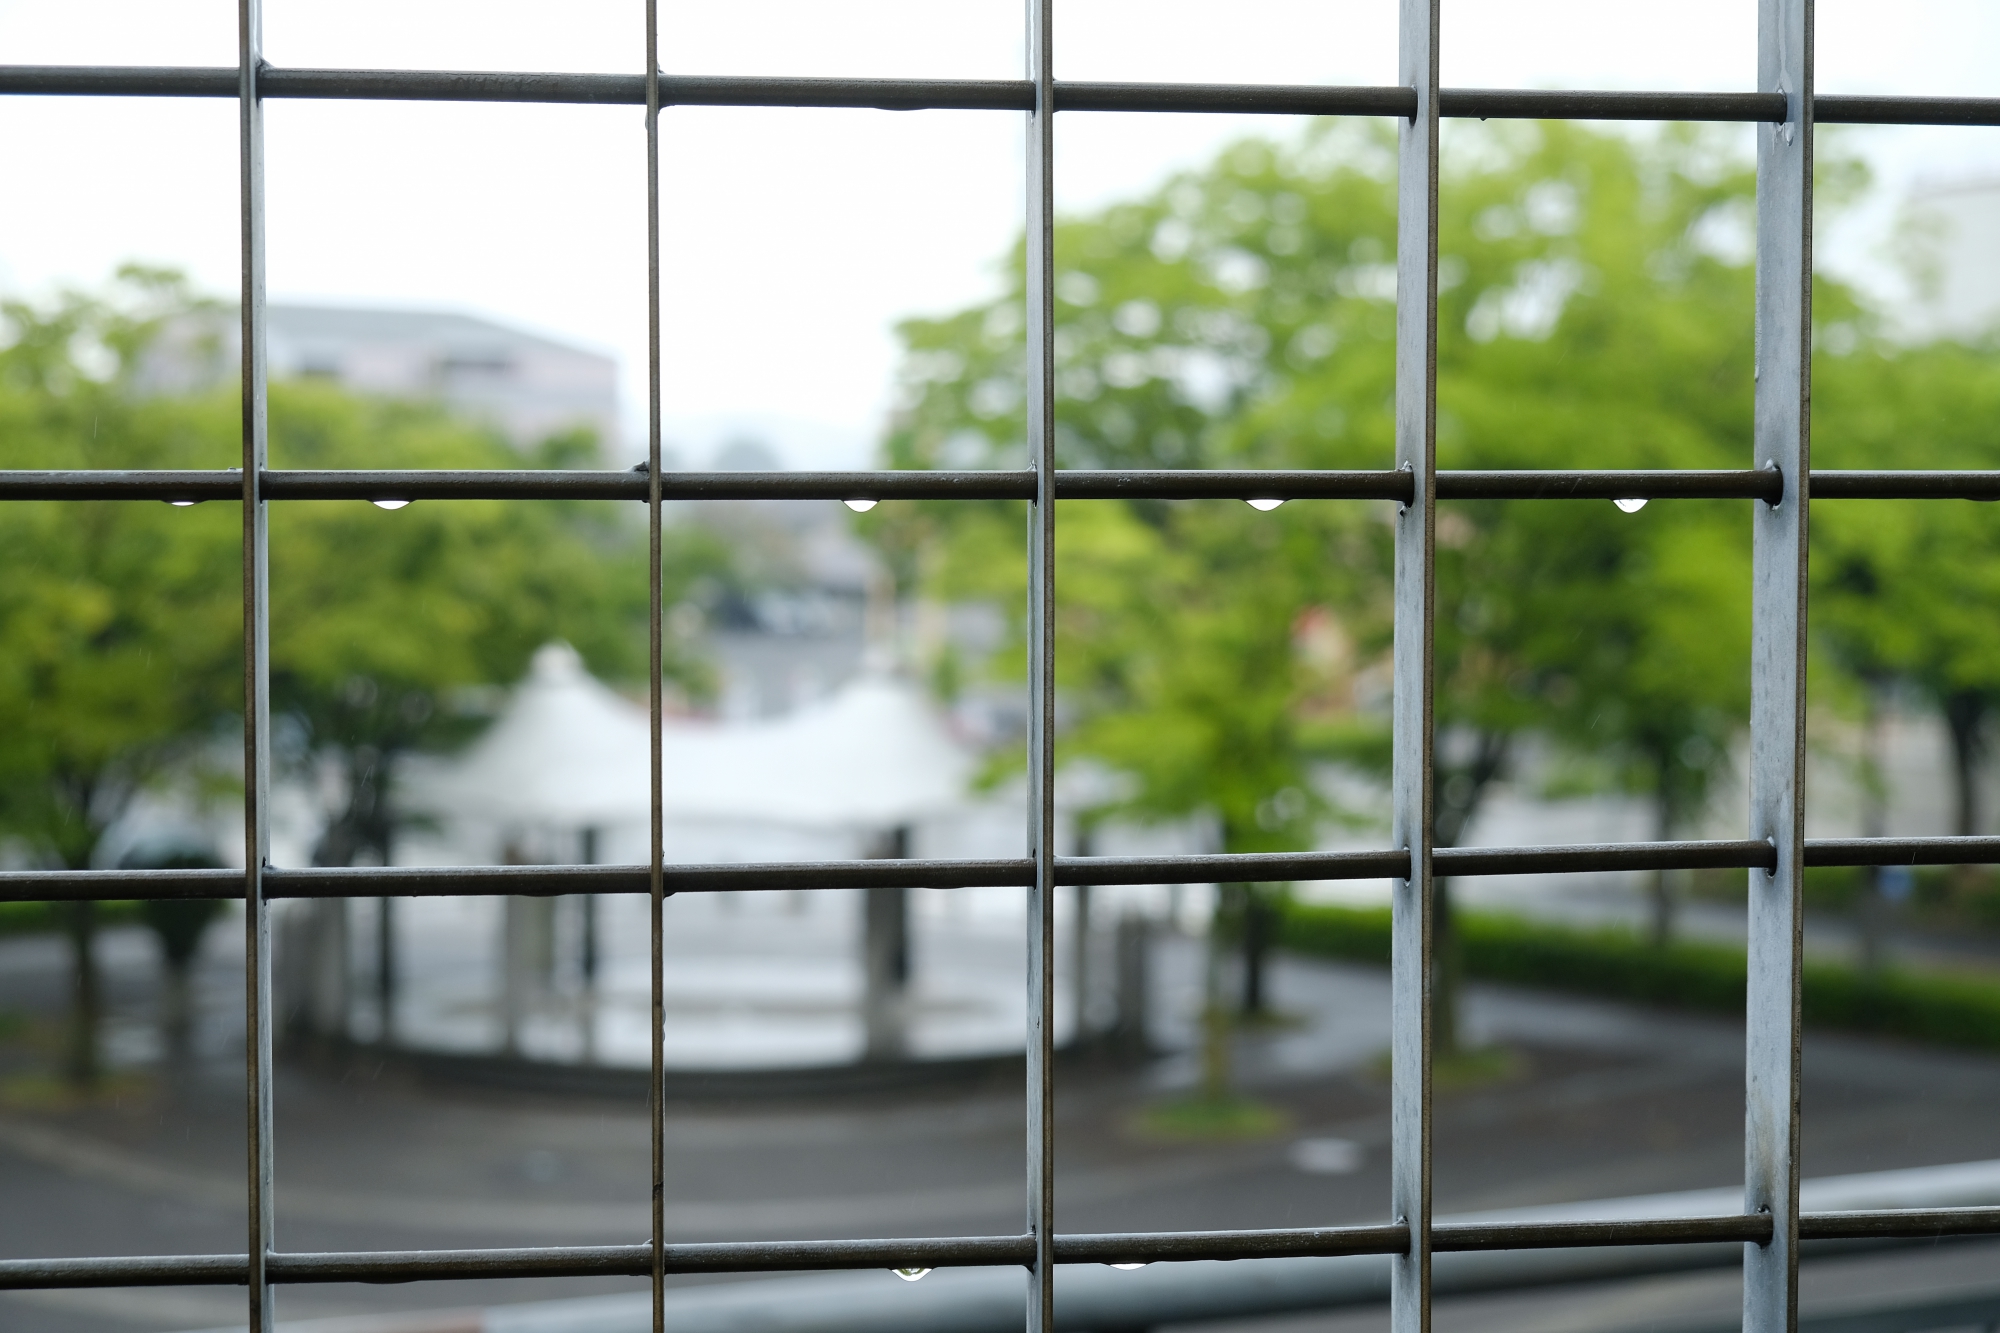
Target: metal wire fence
(1778,483)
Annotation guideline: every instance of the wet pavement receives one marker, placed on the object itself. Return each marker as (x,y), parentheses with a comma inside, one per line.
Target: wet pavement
(1604,1101)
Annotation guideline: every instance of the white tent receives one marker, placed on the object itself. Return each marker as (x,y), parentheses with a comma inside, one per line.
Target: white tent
(871,756)
(569,753)
(566,752)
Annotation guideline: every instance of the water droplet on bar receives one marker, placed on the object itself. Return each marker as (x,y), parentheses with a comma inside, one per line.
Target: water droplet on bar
(388,504)
(1630,506)
(1131,1268)
(862,507)
(182,504)
(907,1274)
(1263,506)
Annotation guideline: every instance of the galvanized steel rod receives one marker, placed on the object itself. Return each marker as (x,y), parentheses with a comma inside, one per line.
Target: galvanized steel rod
(1040,277)
(1384,1238)
(979,1251)
(656,1094)
(1070,484)
(802,876)
(922,1252)
(259,1204)
(1412,711)
(979,95)
(1781,430)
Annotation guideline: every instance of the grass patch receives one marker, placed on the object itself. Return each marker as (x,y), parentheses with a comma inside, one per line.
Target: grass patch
(48,1092)
(1464,1071)
(1461,1071)
(1685,974)
(1209,1119)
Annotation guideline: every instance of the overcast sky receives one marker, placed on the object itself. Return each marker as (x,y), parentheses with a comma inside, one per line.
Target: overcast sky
(795,239)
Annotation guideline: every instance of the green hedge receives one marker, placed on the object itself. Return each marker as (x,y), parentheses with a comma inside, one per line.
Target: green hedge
(1686,974)
(43,918)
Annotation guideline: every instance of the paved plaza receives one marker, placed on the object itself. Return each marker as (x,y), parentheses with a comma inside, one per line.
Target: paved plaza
(1607,1101)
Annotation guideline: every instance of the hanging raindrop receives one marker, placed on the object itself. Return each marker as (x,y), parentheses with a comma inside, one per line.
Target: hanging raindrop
(1263,506)
(1630,506)
(182,504)
(908,1274)
(862,507)
(1127,1268)
(388,504)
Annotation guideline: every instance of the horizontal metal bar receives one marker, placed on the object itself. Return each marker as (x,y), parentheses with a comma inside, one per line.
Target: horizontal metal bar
(1854,485)
(107,484)
(526,484)
(1267,99)
(1559,104)
(1585,858)
(1905,1223)
(1146,1247)
(1651,484)
(982,1251)
(1975,851)
(549,1261)
(1262,867)
(1080,484)
(1845,109)
(1754,1228)
(1206,484)
(1393,1238)
(976,95)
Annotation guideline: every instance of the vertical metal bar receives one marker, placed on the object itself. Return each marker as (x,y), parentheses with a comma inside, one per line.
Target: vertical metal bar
(1412,968)
(658,1093)
(1041,399)
(256,668)
(1778,662)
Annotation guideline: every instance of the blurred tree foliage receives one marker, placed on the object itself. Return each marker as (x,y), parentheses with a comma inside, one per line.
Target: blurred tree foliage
(110,614)
(1902,590)
(122,621)
(387,624)
(1595,312)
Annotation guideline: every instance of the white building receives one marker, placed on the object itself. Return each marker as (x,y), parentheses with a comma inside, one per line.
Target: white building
(527,386)
(1957,235)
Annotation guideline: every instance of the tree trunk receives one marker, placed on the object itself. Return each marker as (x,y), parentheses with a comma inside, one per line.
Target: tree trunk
(1130,1035)
(885,961)
(385,971)
(177,1011)
(1872,918)
(1215,1061)
(81,1063)
(1256,927)
(1660,889)
(1081,980)
(1455,800)
(1447,973)
(1965,716)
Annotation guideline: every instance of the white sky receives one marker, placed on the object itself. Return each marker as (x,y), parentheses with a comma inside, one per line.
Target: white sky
(795,239)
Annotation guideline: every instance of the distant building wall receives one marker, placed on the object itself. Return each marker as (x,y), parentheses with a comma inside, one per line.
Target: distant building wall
(527,387)
(1959,225)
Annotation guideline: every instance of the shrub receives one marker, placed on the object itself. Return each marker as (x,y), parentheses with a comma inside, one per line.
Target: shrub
(1617,963)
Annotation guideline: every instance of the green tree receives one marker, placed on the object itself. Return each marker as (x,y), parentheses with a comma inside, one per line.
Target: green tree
(1595,311)
(382,620)
(122,621)
(1895,583)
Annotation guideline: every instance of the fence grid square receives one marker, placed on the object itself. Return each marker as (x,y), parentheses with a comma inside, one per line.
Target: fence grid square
(1777,480)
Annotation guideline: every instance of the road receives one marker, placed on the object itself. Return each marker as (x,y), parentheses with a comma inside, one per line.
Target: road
(1606,1100)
